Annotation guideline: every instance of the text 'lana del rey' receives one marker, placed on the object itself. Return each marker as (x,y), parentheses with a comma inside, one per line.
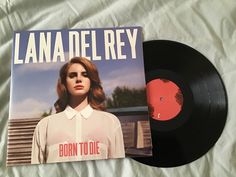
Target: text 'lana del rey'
(51,47)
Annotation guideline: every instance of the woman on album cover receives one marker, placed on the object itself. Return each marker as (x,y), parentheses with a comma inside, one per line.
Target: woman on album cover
(81,129)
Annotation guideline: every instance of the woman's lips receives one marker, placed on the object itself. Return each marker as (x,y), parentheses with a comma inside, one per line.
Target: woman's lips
(79,87)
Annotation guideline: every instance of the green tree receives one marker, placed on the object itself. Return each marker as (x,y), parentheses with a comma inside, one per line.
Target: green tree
(127,97)
(45,113)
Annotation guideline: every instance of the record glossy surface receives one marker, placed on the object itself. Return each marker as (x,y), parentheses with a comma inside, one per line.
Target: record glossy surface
(187,103)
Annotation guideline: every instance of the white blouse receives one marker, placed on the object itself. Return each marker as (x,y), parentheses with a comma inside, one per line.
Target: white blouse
(73,136)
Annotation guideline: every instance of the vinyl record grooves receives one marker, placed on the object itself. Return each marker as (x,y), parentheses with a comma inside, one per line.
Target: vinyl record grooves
(190,127)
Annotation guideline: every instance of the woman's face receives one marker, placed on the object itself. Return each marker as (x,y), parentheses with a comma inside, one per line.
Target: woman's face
(77,81)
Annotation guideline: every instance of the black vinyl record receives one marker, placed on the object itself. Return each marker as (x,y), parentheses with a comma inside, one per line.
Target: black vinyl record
(187,103)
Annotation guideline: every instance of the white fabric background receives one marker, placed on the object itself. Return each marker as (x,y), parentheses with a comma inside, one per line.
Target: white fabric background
(207,25)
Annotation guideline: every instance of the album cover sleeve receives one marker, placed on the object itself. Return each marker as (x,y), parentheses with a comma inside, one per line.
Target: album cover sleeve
(77,94)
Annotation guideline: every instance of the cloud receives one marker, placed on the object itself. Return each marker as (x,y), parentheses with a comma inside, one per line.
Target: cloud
(35,67)
(131,77)
(29,108)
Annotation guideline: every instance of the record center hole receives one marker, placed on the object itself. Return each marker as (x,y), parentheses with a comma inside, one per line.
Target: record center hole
(165,99)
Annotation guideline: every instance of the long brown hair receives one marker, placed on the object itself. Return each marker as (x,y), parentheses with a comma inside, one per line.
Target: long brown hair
(96,96)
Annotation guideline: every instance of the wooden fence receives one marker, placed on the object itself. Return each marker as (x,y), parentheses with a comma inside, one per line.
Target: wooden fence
(20,134)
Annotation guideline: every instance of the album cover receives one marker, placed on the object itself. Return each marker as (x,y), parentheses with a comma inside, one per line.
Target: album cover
(77,94)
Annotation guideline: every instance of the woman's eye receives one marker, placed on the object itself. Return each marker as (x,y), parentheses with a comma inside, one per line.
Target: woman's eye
(72,75)
(85,74)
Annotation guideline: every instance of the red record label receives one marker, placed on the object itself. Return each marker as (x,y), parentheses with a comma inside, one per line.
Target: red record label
(164,98)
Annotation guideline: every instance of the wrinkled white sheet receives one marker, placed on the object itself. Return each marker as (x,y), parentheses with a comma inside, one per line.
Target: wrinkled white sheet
(208,26)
